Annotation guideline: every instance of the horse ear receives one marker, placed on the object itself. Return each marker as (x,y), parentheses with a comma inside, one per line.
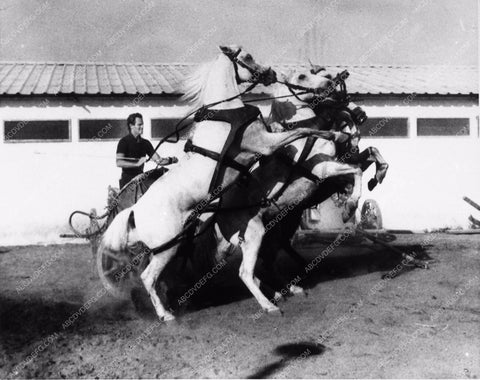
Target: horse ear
(284,76)
(225,49)
(229,49)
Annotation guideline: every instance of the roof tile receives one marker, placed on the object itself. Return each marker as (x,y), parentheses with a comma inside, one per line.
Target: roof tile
(21,79)
(68,81)
(115,82)
(80,79)
(10,78)
(92,79)
(57,79)
(128,84)
(109,78)
(44,79)
(103,80)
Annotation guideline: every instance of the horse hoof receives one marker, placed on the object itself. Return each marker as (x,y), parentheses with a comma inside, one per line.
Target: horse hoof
(294,289)
(274,311)
(167,317)
(277,297)
(372,183)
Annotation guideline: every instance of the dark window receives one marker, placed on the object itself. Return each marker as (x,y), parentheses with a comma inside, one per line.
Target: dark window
(443,127)
(385,127)
(163,127)
(30,130)
(102,129)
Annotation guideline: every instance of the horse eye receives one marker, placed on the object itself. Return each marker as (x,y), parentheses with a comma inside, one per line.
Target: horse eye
(302,76)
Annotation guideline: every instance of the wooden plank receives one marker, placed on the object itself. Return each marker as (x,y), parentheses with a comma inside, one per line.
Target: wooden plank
(463,232)
(474,221)
(471,203)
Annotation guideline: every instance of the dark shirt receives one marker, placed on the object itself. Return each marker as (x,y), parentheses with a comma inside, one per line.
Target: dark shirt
(132,147)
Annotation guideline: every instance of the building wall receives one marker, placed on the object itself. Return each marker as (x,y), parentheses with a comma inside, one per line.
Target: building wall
(428,176)
(43,182)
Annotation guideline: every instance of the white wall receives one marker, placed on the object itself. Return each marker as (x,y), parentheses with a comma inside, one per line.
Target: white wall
(44,182)
(428,176)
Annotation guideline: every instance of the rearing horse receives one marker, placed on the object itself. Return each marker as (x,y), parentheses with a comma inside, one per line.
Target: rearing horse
(286,178)
(159,217)
(285,183)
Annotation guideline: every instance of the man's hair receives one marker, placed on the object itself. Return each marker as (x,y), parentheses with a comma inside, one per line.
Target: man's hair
(131,119)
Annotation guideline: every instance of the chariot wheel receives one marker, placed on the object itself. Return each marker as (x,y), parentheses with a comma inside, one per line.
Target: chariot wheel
(371,216)
(120,272)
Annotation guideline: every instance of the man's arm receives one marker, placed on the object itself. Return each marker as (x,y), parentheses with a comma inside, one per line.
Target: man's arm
(123,162)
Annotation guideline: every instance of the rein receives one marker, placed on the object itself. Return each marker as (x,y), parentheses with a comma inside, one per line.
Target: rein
(234,59)
(201,109)
(192,219)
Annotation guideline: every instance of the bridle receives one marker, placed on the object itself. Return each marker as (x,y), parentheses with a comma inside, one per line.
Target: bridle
(257,76)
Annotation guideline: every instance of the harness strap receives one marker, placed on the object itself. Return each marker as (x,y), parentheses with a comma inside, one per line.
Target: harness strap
(293,93)
(191,222)
(306,123)
(239,119)
(296,166)
(303,171)
(227,160)
(264,203)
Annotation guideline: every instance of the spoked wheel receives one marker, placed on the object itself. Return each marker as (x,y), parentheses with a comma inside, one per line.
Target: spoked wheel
(120,271)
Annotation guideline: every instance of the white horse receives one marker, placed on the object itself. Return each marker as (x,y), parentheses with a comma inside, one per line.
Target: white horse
(247,227)
(159,216)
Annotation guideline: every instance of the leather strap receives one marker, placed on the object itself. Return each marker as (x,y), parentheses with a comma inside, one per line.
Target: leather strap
(189,147)
(296,166)
(306,123)
(239,119)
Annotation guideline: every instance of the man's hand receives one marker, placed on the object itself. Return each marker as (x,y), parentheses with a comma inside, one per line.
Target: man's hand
(141,161)
(165,161)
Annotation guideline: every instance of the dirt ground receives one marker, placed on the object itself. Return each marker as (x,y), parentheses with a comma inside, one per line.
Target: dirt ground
(57,322)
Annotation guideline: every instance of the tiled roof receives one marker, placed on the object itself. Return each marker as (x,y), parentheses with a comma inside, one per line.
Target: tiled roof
(23,78)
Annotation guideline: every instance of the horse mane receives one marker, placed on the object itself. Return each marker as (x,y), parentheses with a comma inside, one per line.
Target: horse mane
(194,85)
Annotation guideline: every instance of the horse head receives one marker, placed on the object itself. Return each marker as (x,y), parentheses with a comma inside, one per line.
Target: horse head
(293,94)
(334,110)
(246,69)
(218,81)
(308,83)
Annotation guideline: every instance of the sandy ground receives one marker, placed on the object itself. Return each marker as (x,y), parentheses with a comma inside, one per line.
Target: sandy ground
(422,324)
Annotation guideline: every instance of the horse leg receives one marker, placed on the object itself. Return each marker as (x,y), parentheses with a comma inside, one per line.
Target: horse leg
(351,204)
(328,169)
(292,252)
(250,246)
(149,278)
(380,163)
(365,159)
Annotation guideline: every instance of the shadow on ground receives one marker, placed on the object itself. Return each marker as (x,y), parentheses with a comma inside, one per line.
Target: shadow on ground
(288,353)
(23,321)
(27,321)
(226,287)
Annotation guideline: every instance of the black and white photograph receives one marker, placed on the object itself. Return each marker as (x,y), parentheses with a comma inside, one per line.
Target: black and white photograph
(239,189)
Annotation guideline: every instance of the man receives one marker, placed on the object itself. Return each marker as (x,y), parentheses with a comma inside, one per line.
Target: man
(133,149)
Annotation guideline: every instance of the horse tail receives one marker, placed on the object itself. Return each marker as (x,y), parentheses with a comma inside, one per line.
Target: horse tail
(116,236)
